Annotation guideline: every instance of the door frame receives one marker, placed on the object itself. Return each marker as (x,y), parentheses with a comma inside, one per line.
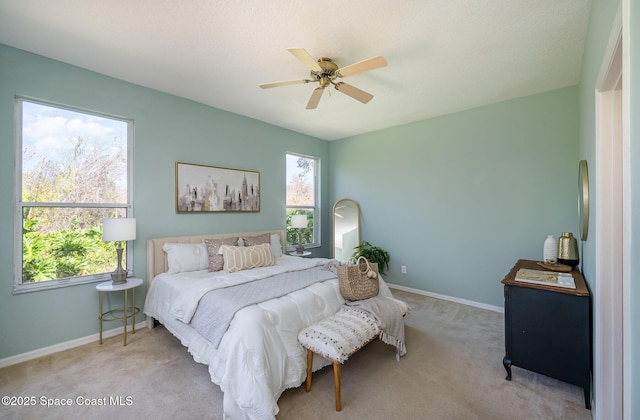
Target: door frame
(612,245)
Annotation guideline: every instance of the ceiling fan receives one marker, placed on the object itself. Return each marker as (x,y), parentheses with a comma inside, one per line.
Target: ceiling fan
(325,72)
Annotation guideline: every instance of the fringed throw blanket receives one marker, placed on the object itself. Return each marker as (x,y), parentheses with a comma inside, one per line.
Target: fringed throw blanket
(388,313)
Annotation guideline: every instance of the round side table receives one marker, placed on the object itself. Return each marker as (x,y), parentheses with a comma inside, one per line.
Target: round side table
(304,254)
(120,314)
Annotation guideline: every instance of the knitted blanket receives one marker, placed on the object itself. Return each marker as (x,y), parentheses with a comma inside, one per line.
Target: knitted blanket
(389,315)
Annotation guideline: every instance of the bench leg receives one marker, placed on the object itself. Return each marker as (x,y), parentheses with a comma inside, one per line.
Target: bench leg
(309,366)
(336,382)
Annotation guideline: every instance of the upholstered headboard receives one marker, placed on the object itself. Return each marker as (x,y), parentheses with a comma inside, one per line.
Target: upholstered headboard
(157,258)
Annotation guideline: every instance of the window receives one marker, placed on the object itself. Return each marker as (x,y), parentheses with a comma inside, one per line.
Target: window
(72,169)
(302,191)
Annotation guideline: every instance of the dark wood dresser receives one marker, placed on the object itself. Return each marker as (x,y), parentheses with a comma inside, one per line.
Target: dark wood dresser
(548,328)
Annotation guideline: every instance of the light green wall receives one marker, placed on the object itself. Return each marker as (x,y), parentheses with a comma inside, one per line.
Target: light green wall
(602,15)
(167,129)
(458,199)
(485,186)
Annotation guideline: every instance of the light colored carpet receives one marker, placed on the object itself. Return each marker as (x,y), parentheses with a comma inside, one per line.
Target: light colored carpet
(453,370)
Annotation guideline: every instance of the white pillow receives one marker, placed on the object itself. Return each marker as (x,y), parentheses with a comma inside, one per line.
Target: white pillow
(186,257)
(276,246)
(238,258)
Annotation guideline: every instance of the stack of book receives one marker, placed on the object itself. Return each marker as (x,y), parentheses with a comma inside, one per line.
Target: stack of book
(549,278)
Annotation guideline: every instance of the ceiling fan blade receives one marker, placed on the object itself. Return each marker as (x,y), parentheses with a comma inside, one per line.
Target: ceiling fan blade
(315,98)
(354,92)
(287,83)
(306,59)
(361,66)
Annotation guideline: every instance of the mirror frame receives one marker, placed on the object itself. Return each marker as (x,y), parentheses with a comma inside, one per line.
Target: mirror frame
(333,227)
(583,200)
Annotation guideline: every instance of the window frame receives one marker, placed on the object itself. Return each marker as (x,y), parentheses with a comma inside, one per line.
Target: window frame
(20,287)
(316,243)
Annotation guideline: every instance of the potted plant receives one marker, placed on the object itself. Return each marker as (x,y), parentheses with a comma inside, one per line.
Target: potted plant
(374,254)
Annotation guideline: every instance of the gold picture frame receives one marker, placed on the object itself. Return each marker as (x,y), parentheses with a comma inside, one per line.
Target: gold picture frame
(210,189)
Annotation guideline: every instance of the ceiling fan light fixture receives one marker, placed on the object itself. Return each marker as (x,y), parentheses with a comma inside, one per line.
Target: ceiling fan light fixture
(325,71)
(324,81)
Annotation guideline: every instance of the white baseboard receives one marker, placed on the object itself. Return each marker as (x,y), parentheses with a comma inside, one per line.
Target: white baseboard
(449,298)
(45,351)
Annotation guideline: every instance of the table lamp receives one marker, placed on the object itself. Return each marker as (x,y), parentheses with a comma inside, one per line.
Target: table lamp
(299,221)
(119,230)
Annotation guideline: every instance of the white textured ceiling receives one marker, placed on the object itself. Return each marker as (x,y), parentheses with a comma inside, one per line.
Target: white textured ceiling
(443,55)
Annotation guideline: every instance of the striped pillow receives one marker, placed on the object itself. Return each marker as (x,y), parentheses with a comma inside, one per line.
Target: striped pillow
(238,258)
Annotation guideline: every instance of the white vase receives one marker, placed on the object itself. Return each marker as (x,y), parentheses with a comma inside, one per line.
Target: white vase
(550,251)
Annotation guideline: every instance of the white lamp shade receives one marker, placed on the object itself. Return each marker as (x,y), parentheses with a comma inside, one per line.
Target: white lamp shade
(118,229)
(299,221)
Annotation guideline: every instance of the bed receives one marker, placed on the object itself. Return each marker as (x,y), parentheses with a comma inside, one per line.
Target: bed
(256,357)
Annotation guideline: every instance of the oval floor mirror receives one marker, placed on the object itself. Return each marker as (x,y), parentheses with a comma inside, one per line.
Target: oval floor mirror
(346,228)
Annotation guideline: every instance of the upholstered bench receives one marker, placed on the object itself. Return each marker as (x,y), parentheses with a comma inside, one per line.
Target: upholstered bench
(336,338)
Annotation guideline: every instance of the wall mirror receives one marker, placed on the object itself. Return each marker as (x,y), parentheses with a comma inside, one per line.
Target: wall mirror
(346,228)
(583,200)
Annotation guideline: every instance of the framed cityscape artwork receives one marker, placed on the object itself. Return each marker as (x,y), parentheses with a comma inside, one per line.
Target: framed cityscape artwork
(202,189)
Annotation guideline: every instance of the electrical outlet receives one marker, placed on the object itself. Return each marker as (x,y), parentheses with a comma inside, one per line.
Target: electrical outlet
(404,269)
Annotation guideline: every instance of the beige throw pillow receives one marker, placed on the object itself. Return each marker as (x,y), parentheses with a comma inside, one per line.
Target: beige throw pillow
(265,238)
(238,258)
(216,261)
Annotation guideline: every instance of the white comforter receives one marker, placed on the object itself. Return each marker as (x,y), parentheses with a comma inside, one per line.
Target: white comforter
(259,357)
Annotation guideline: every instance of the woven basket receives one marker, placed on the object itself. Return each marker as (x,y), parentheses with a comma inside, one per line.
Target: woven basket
(358,281)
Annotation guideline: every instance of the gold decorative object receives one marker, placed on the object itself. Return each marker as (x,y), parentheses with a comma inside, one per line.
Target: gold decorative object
(568,250)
